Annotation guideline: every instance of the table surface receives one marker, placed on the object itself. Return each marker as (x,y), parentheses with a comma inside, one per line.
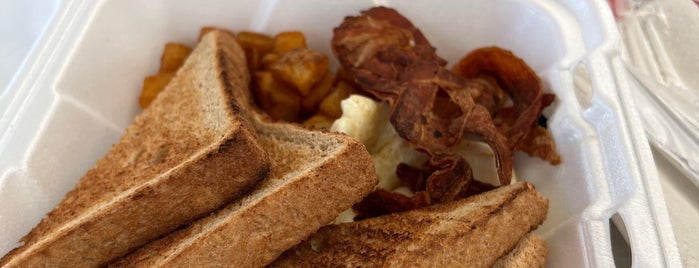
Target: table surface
(682,200)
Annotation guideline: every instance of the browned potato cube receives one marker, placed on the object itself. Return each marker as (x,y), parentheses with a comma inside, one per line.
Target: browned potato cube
(268,60)
(330,106)
(288,41)
(255,41)
(173,57)
(301,68)
(275,98)
(284,112)
(254,59)
(318,121)
(152,85)
(256,46)
(262,85)
(317,93)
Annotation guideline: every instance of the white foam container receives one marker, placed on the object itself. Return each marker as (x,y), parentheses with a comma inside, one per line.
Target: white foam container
(78,90)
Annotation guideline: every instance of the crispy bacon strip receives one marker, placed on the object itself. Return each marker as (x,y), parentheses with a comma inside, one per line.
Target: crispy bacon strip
(515,77)
(382,202)
(431,108)
(521,83)
(434,109)
(391,59)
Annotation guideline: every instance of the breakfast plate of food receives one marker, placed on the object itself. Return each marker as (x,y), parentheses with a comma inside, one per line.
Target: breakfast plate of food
(305,133)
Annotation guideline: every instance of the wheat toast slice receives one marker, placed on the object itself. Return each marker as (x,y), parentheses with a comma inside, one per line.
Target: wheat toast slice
(189,153)
(530,252)
(472,232)
(314,176)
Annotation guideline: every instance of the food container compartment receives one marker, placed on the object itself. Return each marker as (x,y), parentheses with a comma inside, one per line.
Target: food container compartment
(21,25)
(80,91)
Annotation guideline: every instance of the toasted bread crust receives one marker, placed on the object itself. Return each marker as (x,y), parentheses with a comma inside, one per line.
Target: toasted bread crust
(473,232)
(314,176)
(530,252)
(261,229)
(186,155)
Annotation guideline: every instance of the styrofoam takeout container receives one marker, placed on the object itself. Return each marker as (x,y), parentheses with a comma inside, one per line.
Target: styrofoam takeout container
(662,59)
(79,92)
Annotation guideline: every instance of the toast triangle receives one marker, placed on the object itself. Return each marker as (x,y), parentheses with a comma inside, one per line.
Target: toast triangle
(189,153)
(530,252)
(314,177)
(472,232)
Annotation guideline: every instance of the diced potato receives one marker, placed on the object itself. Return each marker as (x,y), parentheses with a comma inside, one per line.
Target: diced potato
(301,68)
(310,102)
(318,121)
(268,60)
(254,59)
(330,106)
(275,98)
(152,85)
(255,41)
(256,46)
(285,105)
(288,41)
(262,86)
(173,57)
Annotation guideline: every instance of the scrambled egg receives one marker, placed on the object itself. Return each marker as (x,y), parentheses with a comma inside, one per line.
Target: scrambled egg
(368,121)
